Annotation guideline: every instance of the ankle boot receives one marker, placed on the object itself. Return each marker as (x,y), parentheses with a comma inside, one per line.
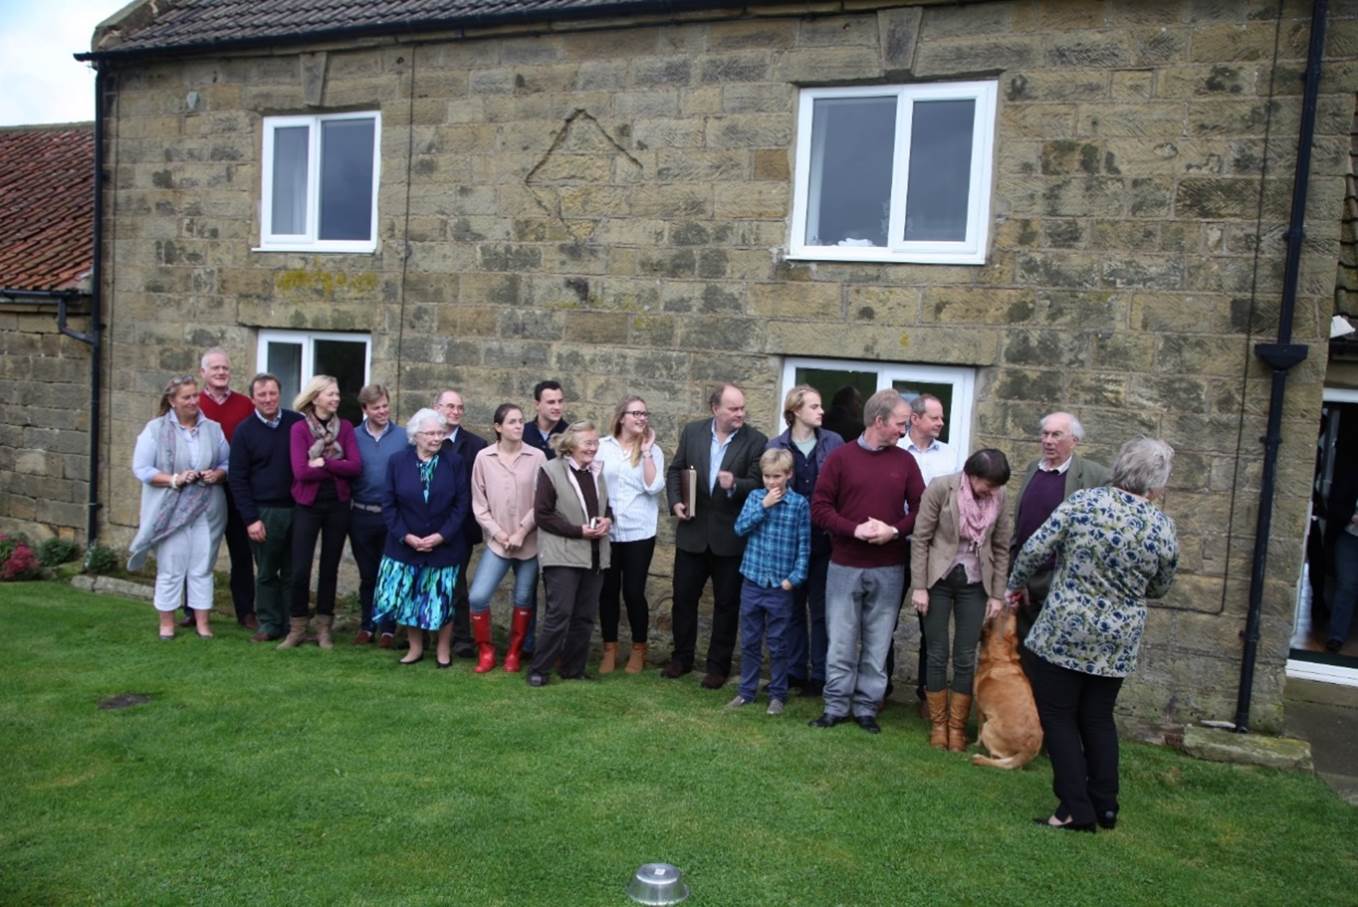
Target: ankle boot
(323,624)
(938,718)
(518,630)
(296,633)
(636,662)
(486,649)
(959,708)
(610,659)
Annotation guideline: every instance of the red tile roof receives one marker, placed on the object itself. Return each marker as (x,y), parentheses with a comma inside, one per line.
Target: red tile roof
(46,206)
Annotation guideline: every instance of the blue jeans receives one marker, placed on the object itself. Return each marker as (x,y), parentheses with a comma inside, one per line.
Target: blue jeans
(860,613)
(806,639)
(763,611)
(1345,587)
(491,569)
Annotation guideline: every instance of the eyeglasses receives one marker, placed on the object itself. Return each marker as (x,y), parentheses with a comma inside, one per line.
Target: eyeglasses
(636,413)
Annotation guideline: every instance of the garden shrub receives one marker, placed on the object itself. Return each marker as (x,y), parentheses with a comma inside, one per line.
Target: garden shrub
(57,551)
(101,560)
(21,563)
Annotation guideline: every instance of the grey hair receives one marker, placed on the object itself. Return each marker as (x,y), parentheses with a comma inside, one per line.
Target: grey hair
(1143,465)
(919,405)
(881,405)
(1077,428)
(421,417)
(215,351)
(566,442)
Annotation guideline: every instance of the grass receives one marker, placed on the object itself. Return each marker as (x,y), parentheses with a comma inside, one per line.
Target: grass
(263,777)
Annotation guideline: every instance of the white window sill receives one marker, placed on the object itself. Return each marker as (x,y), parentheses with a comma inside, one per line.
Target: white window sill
(359,248)
(878,255)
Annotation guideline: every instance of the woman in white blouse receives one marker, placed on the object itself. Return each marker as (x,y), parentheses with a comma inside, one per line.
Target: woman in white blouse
(634,470)
(504,476)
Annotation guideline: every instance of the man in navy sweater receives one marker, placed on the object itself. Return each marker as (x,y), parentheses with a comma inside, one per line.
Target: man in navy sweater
(260,475)
(866,497)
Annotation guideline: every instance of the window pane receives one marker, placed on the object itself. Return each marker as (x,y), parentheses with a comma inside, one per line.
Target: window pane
(285,361)
(346,179)
(940,171)
(289,179)
(346,361)
(849,191)
(842,393)
(909,390)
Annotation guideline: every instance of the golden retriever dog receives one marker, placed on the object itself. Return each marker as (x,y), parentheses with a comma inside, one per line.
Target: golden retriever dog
(1006,713)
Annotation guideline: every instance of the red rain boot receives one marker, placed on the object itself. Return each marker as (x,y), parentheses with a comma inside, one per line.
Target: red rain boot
(517,631)
(486,649)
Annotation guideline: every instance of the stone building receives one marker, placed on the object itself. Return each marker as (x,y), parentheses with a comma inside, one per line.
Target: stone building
(1020,205)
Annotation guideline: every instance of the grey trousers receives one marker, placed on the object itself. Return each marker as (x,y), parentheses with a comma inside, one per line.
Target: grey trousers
(964,602)
(568,619)
(860,613)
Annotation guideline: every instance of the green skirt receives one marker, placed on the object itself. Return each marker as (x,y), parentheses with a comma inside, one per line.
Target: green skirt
(414,596)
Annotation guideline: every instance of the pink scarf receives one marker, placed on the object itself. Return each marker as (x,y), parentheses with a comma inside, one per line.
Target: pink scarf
(975,515)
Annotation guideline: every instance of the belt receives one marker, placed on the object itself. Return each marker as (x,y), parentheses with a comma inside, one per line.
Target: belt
(371,508)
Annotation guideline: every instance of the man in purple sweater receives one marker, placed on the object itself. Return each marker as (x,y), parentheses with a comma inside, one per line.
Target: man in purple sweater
(866,497)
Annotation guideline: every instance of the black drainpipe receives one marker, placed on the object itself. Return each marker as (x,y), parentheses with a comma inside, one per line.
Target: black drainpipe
(1281,357)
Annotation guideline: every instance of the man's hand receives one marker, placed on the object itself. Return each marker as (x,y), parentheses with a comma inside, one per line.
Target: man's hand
(681,512)
(880,533)
(726,479)
(257,532)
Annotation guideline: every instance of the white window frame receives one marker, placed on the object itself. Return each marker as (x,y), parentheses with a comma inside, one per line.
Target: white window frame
(309,242)
(972,250)
(958,416)
(307,341)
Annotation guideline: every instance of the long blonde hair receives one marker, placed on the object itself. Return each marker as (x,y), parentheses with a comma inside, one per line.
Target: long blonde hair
(304,400)
(618,413)
(171,388)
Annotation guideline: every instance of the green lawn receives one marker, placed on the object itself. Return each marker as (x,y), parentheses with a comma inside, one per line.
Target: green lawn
(255,776)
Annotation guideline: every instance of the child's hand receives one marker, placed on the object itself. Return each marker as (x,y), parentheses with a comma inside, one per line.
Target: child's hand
(787,586)
(773,497)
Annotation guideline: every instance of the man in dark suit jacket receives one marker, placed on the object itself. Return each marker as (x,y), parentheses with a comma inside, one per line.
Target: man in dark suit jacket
(1048,481)
(466,445)
(725,454)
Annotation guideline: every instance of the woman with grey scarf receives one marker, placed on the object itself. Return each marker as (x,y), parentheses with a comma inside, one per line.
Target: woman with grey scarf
(180,459)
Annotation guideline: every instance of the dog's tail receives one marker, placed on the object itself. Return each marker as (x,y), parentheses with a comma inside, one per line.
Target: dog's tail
(1018,760)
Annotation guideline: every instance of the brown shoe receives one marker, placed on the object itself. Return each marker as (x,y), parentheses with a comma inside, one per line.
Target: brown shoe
(636,662)
(714,681)
(674,669)
(363,637)
(938,718)
(386,641)
(959,709)
(610,660)
(296,633)
(264,636)
(250,622)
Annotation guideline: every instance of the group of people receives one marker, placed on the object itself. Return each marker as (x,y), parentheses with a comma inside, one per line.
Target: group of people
(812,543)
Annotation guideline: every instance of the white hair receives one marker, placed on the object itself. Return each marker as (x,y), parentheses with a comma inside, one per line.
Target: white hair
(1077,429)
(421,418)
(1143,465)
(215,351)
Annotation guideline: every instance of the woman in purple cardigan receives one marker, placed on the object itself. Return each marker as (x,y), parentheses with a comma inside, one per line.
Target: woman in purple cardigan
(324,452)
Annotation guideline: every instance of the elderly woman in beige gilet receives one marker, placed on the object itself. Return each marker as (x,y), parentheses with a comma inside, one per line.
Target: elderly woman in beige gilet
(573,519)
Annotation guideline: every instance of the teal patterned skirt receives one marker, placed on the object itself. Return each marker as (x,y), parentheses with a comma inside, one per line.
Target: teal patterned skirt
(414,596)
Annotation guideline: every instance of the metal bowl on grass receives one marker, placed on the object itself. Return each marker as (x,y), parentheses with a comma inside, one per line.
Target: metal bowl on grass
(657,884)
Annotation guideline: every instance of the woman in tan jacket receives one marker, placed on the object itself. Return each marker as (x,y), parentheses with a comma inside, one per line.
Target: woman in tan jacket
(959,562)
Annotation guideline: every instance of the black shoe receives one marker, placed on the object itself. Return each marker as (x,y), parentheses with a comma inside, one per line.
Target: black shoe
(813,689)
(1331,645)
(537,680)
(464,650)
(1066,826)
(443,664)
(713,681)
(868,723)
(1108,820)
(413,661)
(674,669)
(828,720)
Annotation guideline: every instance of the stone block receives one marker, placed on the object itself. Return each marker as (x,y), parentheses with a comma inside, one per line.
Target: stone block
(752,130)
(751,201)
(595,327)
(898,35)
(796,300)
(740,66)
(828,64)
(883,305)
(759,34)
(960,305)
(979,54)
(1201,355)
(1217,745)
(1083,50)
(1046,85)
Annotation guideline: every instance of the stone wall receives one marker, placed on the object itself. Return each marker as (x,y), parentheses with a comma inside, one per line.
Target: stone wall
(610,206)
(44,423)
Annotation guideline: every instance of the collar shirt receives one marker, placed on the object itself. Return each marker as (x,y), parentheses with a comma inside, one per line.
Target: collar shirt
(635,504)
(370,486)
(502,497)
(1059,470)
(934,460)
(714,455)
(272,423)
(778,539)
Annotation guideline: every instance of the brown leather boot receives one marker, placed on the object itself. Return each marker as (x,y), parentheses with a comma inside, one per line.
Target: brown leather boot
(938,718)
(323,624)
(636,662)
(296,633)
(610,659)
(959,709)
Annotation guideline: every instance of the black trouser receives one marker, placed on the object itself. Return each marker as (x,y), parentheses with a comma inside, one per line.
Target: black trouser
(367,538)
(625,579)
(462,624)
(1076,710)
(1038,587)
(567,619)
(242,562)
(691,572)
(329,519)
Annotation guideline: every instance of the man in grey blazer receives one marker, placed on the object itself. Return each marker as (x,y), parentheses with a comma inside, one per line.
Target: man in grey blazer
(1049,480)
(724,452)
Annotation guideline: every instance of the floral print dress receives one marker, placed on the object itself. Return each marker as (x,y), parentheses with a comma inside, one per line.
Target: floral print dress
(1114,550)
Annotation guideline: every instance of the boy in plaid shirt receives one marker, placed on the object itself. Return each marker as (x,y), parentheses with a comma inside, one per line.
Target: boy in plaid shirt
(777,522)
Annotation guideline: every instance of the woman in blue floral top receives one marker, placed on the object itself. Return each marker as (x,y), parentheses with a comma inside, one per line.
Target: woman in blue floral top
(1114,549)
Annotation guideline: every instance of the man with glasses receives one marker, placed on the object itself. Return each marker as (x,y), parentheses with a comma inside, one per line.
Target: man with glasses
(466,445)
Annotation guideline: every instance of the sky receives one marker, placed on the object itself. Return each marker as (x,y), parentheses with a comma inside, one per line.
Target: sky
(42,82)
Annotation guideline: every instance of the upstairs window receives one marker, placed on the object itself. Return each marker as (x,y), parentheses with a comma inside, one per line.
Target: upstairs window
(894,173)
(320,183)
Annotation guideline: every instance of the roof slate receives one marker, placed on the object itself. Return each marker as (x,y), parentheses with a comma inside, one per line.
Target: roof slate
(46,206)
(201,24)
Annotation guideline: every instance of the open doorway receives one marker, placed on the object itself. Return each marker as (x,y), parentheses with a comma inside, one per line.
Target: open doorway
(1324,645)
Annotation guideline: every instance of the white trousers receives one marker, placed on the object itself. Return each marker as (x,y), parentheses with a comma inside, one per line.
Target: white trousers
(186,556)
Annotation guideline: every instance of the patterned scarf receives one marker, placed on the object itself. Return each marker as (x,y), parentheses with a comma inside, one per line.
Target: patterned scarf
(974,515)
(324,438)
(178,507)
(427,468)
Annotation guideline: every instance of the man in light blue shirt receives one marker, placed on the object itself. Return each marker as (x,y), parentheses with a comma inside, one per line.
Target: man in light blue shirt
(378,440)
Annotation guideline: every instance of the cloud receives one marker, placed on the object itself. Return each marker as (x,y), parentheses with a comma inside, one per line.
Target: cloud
(43,84)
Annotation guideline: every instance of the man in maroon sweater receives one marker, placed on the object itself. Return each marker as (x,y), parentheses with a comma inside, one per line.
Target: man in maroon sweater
(866,497)
(228,409)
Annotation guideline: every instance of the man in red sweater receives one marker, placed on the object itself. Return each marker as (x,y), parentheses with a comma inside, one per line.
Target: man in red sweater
(866,497)
(228,409)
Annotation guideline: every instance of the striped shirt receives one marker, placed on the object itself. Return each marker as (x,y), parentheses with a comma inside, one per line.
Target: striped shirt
(779,539)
